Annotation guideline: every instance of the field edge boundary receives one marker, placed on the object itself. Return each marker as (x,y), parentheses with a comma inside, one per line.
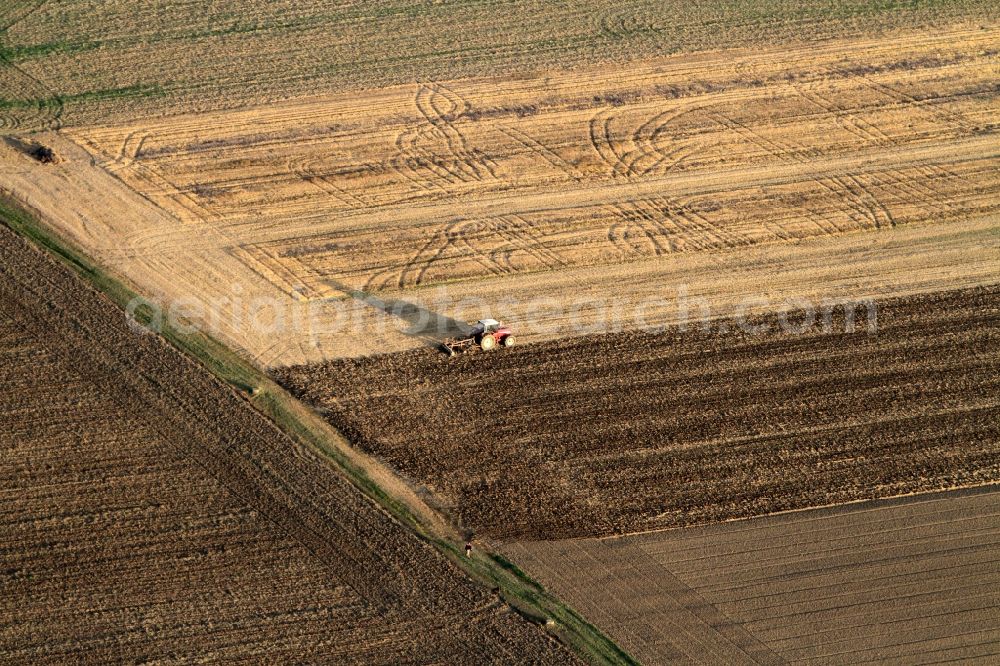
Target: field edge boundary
(818,511)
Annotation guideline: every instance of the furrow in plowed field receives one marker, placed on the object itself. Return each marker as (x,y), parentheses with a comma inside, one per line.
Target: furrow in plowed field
(634,431)
(907,581)
(149,513)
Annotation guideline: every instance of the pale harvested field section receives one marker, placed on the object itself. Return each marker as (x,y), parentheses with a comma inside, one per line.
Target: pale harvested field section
(720,171)
(437,182)
(734,173)
(915,581)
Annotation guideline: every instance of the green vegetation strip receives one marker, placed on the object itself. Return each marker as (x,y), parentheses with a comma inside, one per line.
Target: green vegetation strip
(523,594)
(91,95)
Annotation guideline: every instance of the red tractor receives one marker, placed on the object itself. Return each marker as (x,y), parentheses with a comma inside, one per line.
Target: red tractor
(485,334)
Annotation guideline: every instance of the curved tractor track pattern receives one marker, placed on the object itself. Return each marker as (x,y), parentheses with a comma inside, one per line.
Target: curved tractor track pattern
(648,149)
(30,104)
(662,225)
(126,163)
(497,246)
(436,156)
(862,206)
(913,189)
(625,23)
(817,92)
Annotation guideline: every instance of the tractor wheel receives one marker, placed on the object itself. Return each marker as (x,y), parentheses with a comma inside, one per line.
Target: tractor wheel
(487,342)
(509,341)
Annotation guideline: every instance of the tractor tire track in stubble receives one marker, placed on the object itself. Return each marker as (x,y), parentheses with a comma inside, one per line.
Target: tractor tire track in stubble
(659,225)
(27,103)
(862,205)
(625,159)
(550,156)
(311,171)
(436,155)
(490,243)
(871,135)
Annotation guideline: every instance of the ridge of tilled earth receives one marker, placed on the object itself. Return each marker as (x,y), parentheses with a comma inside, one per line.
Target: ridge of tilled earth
(626,432)
(108,433)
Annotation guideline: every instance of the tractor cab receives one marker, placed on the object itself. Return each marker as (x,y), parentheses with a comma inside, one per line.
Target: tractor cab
(486,326)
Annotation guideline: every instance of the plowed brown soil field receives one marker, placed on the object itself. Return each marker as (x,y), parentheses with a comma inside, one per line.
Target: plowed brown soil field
(149,513)
(628,432)
(726,171)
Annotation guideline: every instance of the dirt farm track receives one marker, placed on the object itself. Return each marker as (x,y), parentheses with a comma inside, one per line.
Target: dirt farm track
(148,512)
(627,432)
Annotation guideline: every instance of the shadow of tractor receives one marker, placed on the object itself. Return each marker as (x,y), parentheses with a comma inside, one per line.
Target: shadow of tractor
(421,322)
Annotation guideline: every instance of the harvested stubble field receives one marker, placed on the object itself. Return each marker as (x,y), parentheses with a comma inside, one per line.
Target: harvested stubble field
(151,514)
(724,171)
(416,186)
(901,582)
(637,431)
(75,61)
